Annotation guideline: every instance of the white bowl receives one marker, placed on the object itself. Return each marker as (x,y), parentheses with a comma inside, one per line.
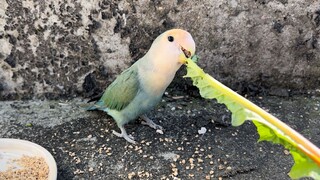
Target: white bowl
(16,148)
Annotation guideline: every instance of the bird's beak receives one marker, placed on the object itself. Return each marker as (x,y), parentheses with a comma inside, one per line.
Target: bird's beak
(185,56)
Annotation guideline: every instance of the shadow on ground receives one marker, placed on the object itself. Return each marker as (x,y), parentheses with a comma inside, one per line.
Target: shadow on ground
(85,148)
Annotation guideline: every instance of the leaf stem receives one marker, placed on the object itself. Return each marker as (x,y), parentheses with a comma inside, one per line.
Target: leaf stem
(312,151)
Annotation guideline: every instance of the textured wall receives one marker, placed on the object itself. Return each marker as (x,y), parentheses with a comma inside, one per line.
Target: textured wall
(57,48)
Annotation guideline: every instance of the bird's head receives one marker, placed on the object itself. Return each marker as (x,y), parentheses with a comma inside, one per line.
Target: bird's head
(172,48)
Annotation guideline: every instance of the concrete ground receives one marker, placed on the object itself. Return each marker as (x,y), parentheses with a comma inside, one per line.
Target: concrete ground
(84,147)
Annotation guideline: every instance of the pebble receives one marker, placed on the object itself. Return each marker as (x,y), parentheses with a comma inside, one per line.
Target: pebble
(286,152)
(159,131)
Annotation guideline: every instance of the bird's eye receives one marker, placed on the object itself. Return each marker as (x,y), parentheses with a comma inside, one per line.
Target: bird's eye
(170,38)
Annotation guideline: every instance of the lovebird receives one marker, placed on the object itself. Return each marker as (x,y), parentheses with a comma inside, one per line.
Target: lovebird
(139,88)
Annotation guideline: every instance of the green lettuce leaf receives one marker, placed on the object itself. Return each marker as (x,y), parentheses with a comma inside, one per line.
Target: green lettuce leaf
(212,89)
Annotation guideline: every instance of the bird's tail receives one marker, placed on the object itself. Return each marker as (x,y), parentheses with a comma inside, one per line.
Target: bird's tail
(91,108)
(95,107)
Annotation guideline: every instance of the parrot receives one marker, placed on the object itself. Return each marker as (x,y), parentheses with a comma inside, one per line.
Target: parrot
(139,88)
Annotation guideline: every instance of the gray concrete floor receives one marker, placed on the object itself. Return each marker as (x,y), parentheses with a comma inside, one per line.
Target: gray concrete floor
(84,147)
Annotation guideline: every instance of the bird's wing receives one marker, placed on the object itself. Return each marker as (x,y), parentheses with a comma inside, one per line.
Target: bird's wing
(122,91)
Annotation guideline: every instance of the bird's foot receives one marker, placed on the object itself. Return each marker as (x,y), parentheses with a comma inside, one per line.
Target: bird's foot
(150,123)
(124,135)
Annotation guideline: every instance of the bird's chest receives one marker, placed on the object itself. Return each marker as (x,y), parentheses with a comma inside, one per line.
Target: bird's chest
(156,83)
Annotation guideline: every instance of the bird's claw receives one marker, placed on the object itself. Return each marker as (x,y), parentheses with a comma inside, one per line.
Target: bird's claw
(151,124)
(158,127)
(124,135)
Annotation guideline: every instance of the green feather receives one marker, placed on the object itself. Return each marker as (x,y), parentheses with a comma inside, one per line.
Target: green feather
(122,91)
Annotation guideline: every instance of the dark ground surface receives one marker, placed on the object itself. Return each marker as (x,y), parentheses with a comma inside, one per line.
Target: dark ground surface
(84,147)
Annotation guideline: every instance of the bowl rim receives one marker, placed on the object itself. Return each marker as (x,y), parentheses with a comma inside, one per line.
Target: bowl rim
(24,145)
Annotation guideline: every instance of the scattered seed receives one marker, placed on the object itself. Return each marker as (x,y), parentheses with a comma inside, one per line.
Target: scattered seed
(175,171)
(131,175)
(177,97)
(78,171)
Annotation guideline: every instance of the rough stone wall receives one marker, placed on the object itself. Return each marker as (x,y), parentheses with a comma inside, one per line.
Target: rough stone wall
(67,48)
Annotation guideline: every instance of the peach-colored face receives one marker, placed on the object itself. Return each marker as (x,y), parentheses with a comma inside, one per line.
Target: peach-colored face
(173,46)
(166,55)
(181,40)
